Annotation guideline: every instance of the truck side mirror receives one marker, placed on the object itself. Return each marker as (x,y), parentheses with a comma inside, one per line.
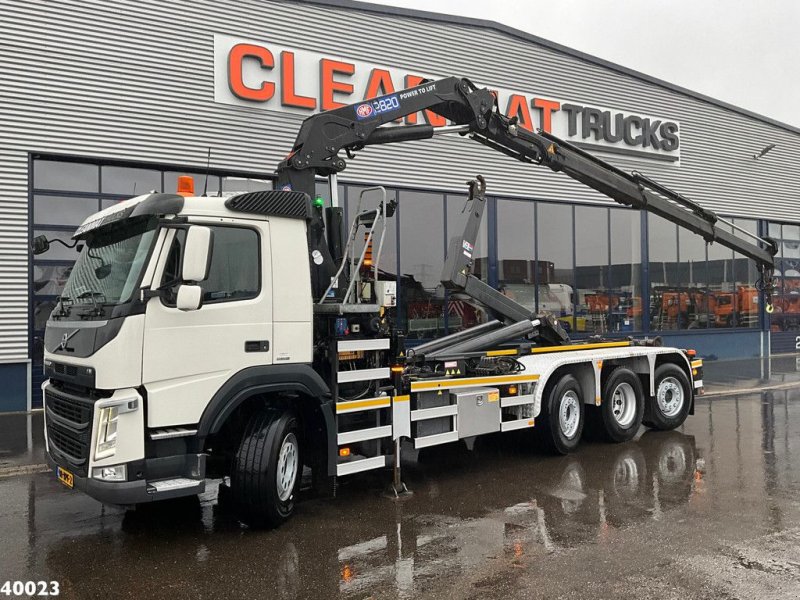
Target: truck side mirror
(40,245)
(190,297)
(197,253)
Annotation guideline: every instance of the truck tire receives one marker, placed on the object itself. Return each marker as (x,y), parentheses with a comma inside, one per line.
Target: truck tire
(622,407)
(267,469)
(563,416)
(670,406)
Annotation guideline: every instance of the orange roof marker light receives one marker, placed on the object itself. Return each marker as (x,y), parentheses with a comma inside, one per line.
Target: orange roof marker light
(185,186)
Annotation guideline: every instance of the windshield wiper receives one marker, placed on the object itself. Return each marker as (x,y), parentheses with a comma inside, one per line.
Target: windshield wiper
(96,310)
(63,311)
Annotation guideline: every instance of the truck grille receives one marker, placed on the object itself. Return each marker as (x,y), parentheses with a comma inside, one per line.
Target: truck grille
(69,427)
(76,412)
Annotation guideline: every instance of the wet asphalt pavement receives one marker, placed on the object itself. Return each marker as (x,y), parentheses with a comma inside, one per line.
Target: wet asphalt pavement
(710,511)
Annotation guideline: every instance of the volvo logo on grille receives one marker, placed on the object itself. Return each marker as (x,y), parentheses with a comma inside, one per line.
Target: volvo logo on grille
(66,338)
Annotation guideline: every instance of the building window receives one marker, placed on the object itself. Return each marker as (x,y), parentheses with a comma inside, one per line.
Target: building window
(62,210)
(421,261)
(66,176)
(625,277)
(128,181)
(745,275)
(554,241)
(596,306)
(691,297)
(664,289)
(516,251)
(786,302)
(721,285)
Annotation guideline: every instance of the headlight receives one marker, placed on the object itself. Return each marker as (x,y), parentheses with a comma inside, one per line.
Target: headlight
(117,473)
(107,434)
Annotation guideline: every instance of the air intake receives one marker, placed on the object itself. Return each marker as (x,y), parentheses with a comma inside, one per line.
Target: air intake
(276,203)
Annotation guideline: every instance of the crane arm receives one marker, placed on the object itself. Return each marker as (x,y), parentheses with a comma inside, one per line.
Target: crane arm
(473,111)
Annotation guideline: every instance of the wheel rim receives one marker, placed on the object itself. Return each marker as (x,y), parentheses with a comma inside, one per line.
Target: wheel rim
(287,467)
(672,463)
(569,414)
(626,476)
(670,396)
(623,404)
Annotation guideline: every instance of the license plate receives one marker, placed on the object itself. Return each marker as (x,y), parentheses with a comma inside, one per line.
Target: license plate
(65,477)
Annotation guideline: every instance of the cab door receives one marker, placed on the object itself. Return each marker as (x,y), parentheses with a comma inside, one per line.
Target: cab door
(189,355)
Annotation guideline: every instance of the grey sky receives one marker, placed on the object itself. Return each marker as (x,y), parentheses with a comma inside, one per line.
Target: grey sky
(742,52)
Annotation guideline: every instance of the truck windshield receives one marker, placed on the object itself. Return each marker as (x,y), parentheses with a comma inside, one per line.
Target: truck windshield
(110,264)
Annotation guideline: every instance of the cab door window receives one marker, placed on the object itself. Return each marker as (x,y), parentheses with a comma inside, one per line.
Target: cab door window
(234,273)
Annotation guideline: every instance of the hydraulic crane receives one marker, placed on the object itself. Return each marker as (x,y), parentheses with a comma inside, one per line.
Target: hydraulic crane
(473,112)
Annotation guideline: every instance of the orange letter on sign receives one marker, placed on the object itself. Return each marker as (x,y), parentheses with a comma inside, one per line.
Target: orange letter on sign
(518,107)
(547,107)
(328,85)
(379,84)
(235,82)
(431,117)
(288,97)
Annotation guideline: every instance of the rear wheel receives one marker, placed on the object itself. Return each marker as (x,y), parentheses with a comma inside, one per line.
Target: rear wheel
(670,406)
(563,416)
(622,406)
(267,469)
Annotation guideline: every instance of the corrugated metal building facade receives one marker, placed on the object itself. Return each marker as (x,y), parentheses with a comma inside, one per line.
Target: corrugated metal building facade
(135,81)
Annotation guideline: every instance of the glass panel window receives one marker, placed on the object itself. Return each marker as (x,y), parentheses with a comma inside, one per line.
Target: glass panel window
(786,302)
(127,181)
(462,310)
(516,251)
(556,275)
(234,265)
(62,210)
(692,278)
(595,304)
(41,313)
(245,184)
(721,284)
(665,296)
(626,270)
(106,202)
(745,274)
(171,182)
(65,176)
(234,271)
(421,262)
(49,280)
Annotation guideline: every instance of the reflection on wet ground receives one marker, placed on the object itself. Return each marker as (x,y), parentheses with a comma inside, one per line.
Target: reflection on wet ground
(501,519)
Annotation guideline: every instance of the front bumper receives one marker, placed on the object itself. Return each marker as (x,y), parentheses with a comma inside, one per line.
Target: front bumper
(141,491)
(107,492)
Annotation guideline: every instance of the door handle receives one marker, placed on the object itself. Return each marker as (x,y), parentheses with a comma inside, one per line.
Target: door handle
(256,346)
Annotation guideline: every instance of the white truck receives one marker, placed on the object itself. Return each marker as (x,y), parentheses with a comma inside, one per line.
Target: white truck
(245,338)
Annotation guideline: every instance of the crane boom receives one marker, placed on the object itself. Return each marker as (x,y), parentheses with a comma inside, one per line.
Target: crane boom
(473,111)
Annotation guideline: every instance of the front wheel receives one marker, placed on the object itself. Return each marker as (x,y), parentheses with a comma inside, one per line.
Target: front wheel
(267,469)
(563,415)
(670,406)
